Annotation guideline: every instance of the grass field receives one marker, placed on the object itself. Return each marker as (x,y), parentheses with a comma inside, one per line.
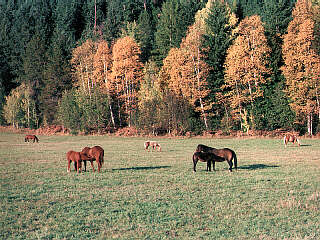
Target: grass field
(275,194)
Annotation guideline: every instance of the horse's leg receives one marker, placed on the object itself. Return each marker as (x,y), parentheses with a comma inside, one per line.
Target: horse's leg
(75,165)
(85,165)
(209,165)
(78,166)
(213,165)
(98,162)
(68,167)
(230,165)
(92,165)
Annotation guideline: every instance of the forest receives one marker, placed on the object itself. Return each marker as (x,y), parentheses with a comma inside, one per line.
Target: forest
(160,66)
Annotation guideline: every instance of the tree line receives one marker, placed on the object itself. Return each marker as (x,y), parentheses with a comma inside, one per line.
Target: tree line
(160,66)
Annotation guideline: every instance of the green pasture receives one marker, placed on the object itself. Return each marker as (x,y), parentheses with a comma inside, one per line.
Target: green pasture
(275,194)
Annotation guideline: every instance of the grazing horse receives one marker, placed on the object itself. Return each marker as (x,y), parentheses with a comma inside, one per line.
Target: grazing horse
(206,157)
(77,158)
(152,144)
(225,153)
(96,153)
(290,138)
(29,138)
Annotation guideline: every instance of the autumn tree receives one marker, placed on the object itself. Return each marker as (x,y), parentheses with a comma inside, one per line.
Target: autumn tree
(102,63)
(195,71)
(126,75)
(246,69)
(82,62)
(150,99)
(20,108)
(302,63)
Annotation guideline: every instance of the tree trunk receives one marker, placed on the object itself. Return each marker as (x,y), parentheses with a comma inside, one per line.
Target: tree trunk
(310,124)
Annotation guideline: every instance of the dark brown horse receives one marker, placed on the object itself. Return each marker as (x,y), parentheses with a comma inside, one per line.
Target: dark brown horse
(290,138)
(29,138)
(77,158)
(96,153)
(205,157)
(224,153)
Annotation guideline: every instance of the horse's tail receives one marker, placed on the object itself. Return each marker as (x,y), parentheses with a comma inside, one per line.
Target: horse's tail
(235,160)
(194,160)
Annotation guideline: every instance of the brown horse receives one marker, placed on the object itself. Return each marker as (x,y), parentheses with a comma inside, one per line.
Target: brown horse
(96,153)
(224,153)
(206,157)
(77,158)
(153,144)
(290,138)
(29,138)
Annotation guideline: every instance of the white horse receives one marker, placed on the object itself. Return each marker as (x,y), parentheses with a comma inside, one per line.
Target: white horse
(290,138)
(152,144)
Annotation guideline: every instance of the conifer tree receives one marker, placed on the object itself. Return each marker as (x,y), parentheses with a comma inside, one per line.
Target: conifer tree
(176,16)
(219,23)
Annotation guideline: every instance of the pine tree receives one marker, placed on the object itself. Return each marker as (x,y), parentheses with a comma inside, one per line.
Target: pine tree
(56,79)
(219,23)
(273,109)
(176,16)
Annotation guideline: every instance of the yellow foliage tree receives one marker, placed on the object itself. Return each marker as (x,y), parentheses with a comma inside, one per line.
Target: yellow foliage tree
(82,62)
(102,72)
(185,72)
(302,62)
(246,69)
(126,74)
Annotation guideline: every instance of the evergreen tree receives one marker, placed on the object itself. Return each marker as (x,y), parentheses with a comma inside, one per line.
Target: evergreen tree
(145,34)
(273,109)
(174,20)
(56,79)
(114,20)
(34,62)
(217,40)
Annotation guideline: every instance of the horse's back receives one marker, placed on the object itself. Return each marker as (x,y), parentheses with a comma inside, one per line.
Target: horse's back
(97,152)
(85,150)
(98,149)
(203,148)
(73,156)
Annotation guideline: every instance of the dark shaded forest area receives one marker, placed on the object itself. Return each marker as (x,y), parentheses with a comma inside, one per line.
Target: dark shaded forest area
(160,66)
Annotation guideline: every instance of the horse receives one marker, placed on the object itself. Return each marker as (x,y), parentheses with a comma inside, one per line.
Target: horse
(206,157)
(290,138)
(224,153)
(152,144)
(77,158)
(34,138)
(96,153)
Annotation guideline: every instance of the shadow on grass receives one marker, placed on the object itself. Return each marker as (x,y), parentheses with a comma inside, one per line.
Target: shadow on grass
(257,166)
(141,168)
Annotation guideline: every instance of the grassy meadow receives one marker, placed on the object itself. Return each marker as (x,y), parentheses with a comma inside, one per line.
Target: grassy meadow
(275,194)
